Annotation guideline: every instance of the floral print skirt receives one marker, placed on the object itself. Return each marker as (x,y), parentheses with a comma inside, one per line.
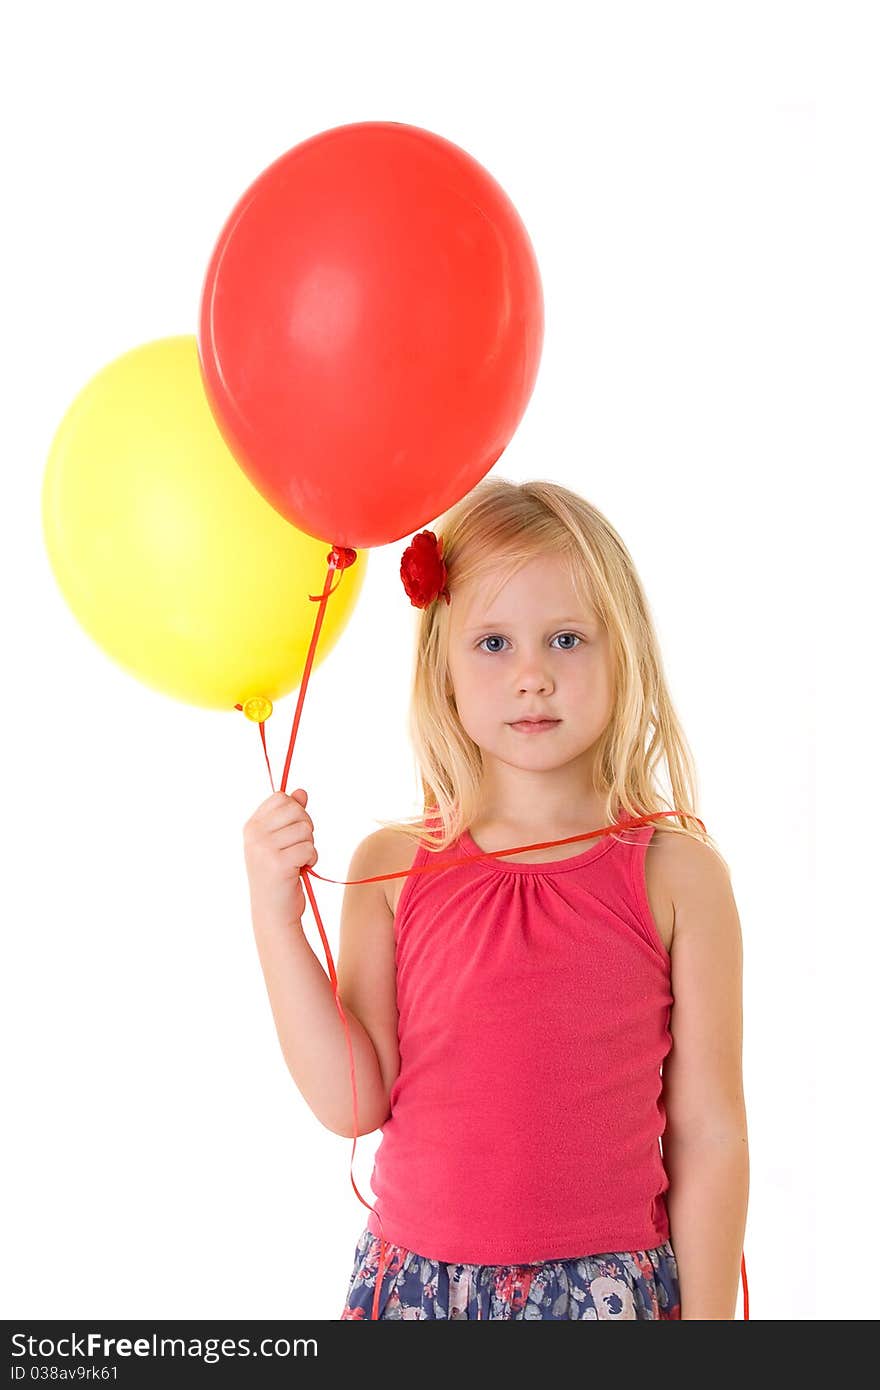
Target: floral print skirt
(632,1284)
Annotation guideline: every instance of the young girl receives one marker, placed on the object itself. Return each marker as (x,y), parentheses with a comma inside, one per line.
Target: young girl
(526,1027)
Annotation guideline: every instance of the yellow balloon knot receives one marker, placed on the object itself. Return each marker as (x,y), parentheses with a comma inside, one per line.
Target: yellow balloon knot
(257,708)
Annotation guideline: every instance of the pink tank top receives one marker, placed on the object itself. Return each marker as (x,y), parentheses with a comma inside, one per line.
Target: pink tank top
(533,1017)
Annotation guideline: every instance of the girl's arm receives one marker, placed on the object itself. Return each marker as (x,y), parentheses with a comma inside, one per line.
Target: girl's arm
(307,1020)
(705,1144)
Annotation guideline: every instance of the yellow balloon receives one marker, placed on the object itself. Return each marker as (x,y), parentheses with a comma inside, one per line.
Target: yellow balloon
(165,551)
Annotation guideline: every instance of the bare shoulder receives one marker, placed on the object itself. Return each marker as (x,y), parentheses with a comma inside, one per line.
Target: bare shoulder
(389,841)
(362,899)
(693,877)
(390,852)
(682,855)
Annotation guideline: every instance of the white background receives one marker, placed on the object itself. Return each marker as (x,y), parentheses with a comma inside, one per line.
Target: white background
(159,1161)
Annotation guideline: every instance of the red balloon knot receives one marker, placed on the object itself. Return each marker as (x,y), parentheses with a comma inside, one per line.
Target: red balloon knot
(341,557)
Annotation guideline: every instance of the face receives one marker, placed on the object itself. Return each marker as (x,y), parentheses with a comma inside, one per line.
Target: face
(534,651)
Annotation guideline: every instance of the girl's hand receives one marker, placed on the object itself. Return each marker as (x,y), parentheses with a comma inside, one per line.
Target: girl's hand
(277,844)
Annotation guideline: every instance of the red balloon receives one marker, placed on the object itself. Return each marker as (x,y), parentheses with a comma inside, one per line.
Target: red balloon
(370,330)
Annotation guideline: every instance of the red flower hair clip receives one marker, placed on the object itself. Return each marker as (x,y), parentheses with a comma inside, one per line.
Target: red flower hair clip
(423,571)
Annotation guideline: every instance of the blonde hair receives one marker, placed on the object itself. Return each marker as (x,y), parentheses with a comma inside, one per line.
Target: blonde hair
(489,534)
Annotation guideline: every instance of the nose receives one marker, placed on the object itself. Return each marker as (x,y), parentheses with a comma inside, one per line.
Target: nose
(538,681)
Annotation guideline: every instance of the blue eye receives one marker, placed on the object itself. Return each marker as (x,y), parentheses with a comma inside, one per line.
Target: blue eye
(496,637)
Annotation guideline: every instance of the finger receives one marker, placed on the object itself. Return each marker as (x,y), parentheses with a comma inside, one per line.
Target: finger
(290,813)
(287,835)
(279,798)
(298,856)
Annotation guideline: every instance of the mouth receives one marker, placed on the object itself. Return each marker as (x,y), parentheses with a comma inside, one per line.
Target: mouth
(535,726)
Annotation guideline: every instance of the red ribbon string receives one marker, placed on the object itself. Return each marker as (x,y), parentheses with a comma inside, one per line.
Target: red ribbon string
(341,558)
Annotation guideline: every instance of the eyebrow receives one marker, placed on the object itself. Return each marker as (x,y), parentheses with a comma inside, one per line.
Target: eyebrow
(500,622)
